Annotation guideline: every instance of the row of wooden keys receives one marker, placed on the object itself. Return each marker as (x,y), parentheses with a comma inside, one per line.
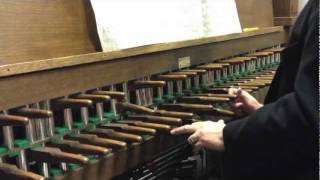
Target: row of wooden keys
(49,138)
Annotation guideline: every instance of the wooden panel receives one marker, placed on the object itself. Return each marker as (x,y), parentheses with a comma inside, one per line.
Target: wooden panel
(33,87)
(255,13)
(42,29)
(26,67)
(284,21)
(285,8)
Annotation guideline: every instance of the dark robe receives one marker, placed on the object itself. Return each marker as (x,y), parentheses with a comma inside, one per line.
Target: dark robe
(280,140)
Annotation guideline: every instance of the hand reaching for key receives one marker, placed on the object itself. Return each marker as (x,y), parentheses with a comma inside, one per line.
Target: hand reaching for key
(207,134)
(244,101)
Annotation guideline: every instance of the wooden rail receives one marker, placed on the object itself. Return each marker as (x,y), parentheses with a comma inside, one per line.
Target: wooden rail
(29,82)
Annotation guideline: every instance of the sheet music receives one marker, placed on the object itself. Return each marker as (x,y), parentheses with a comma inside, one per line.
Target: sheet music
(125,23)
(220,17)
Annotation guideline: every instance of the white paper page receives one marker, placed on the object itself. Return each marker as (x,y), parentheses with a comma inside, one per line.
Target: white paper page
(220,17)
(130,23)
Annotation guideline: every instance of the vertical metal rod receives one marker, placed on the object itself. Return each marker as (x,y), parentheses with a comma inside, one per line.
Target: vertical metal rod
(138,98)
(50,130)
(204,80)
(188,83)
(99,111)
(125,90)
(8,137)
(113,102)
(41,123)
(170,88)
(179,86)
(196,81)
(22,161)
(218,75)
(143,96)
(149,93)
(160,92)
(225,72)
(30,131)
(68,118)
(84,115)
(44,169)
(150,96)
(63,166)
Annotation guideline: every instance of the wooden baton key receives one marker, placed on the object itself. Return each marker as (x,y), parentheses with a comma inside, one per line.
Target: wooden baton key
(32,113)
(113,94)
(11,172)
(187,73)
(202,99)
(148,84)
(115,136)
(231,97)
(134,108)
(157,119)
(182,115)
(12,120)
(198,108)
(77,147)
(172,77)
(93,139)
(147,125)
(129,129)
(70,103)
(96,98)
(55,155)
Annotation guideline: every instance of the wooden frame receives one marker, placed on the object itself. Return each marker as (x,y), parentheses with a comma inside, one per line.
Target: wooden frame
(30,82)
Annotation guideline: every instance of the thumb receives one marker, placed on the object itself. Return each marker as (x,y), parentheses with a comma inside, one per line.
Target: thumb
(237,104)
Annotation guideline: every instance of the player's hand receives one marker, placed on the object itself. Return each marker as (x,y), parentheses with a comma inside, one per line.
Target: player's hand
(209,137)
(190,128)
(244,101)
(207,134)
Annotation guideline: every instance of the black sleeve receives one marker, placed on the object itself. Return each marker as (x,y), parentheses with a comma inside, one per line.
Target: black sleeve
(281,138)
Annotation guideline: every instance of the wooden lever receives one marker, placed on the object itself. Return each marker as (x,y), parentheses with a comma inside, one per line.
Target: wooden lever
(141,109)
(253,84)
(129,129)
(182,115)
(11,172)
(186,107)
(71,103)
(76,147)
(115,136)
(55,155)
(218,90)
(198,71)
(172,77)
(231,97)
(11,120)
(246,88)
(223,112)
(157,119)
(96,98)
(92,139)
(113,94)
(148,84)
(147,125)
(32,113)
(134,108)
(198,108)
(210,67)
(202,99)
(188,74)
(219,64)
